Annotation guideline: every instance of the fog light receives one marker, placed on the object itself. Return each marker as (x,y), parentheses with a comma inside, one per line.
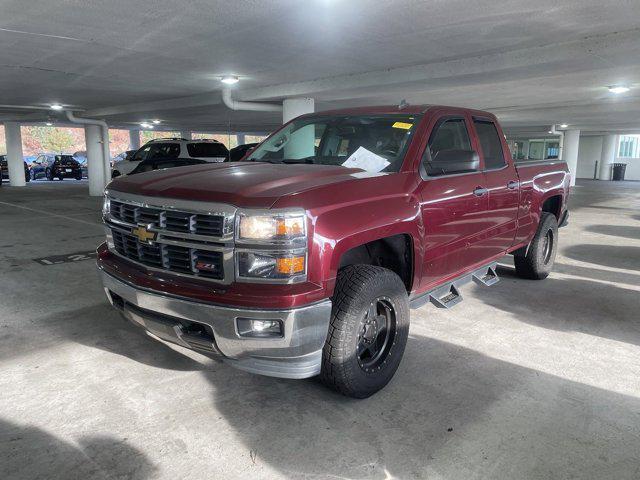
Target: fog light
(250,327)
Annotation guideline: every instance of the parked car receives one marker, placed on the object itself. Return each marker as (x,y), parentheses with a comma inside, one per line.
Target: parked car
(81,157)
(305,258)
(50,166)
(236,153)
(207,150)
(4,169)
(126,155)
(162,163)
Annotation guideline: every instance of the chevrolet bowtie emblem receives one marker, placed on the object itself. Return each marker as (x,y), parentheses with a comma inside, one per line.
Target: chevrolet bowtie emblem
(144,235)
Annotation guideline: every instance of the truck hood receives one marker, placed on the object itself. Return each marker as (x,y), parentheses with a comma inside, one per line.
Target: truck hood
(244,184)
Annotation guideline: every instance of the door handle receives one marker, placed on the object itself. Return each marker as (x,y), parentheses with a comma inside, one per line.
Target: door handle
(512,185)
(480,191)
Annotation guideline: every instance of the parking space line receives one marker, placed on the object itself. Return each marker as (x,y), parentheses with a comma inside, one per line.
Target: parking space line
(43,212)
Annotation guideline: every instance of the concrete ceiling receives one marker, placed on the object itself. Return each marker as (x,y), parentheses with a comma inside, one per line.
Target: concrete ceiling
(531,63)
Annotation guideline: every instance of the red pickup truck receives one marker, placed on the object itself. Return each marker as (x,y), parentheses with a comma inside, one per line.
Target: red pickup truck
(305,257)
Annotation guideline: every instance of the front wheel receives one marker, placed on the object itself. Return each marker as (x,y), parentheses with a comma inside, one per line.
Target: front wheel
(541,254)
(368,331)
(32,174)
(49,174)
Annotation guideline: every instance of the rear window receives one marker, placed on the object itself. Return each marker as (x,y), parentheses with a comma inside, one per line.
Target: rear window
(207,149)
(65,158)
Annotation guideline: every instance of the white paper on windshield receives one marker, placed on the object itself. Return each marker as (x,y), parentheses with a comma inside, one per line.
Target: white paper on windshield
(366,160)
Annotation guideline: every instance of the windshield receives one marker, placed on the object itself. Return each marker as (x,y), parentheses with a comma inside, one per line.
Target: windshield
(207,149)
(375,143)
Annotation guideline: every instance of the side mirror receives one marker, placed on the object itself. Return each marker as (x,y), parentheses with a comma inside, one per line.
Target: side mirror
(446,162)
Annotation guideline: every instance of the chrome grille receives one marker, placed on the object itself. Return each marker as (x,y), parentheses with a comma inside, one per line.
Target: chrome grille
(172,258)
(170,220)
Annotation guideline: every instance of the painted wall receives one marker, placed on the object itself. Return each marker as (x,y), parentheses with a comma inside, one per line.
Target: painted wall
(589,152)
(633,168)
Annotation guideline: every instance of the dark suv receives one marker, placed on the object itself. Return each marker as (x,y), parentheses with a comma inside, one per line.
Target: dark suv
(4,169)
(52,166)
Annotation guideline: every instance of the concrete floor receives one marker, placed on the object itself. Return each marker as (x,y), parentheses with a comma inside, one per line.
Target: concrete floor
(522,380)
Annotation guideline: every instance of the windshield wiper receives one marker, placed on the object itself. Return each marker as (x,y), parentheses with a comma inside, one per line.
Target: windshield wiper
(308,160)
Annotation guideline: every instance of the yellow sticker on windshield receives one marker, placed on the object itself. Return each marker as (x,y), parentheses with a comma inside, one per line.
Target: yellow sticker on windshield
(402,125)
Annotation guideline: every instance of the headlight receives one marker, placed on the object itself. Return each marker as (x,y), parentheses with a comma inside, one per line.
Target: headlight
(278,266)
(106,206)
(271,227)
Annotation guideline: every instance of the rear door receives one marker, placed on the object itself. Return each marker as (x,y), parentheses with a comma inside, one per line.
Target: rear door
(501,180)
(454,206)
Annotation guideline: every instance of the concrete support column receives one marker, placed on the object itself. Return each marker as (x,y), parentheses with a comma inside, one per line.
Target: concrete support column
(294,107)
(95,159)
(608,156)
(186,134)
(241,140)
(15,163)
(570,154)
(134,139)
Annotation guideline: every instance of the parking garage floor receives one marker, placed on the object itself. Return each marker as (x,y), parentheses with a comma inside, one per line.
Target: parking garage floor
(522,380)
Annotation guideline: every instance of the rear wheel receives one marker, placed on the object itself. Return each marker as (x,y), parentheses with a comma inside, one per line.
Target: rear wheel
(541,254)
(368,331)
(49,174)
(32,174)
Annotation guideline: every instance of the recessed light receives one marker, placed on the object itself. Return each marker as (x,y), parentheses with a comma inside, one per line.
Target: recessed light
(618,89)
(156,122)
(229,79)
(48,124)
(146,125)
(56,106)
(550,131)
(563,125)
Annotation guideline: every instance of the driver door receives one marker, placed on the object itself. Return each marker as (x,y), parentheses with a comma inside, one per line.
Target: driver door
(454,203)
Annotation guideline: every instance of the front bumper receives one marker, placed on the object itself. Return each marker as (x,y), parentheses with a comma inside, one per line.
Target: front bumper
(211,329)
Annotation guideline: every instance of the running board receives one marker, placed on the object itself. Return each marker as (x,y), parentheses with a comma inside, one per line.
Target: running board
(449,294)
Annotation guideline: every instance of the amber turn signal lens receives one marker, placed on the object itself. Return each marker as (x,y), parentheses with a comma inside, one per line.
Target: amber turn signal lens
(290,265)
(289,227)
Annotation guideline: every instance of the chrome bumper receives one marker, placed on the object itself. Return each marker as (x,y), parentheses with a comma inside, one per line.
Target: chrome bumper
(298,354)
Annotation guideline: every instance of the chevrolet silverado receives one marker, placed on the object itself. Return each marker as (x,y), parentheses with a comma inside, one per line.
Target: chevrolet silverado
(305,258)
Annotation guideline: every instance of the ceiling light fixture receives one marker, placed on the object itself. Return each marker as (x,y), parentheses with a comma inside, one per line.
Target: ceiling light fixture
(550,131)
(48,124)
(146,125)
(563,125)
(56,106)
(618,89)
(156,121)
(230,79)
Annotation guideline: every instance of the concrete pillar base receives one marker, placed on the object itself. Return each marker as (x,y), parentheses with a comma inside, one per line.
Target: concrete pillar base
(15,162)
(570,154)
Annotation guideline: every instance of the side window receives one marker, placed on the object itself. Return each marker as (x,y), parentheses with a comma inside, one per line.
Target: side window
(490,144)
(141,154)
(449,149)
(167,150)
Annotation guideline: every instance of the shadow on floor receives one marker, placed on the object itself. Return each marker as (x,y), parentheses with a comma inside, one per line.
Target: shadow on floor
(450,412)
(616,230)
(569,304)
(99,326)
(26,452)
(591,273)
(618,256)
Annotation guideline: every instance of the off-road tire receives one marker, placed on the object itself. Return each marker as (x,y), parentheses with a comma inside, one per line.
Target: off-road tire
(357,288)
(538,262)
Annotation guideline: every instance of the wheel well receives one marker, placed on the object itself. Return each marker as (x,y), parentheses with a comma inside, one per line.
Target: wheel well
(394,253)
(552,205)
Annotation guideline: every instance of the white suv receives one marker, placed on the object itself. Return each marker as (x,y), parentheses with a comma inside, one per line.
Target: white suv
(207,150)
